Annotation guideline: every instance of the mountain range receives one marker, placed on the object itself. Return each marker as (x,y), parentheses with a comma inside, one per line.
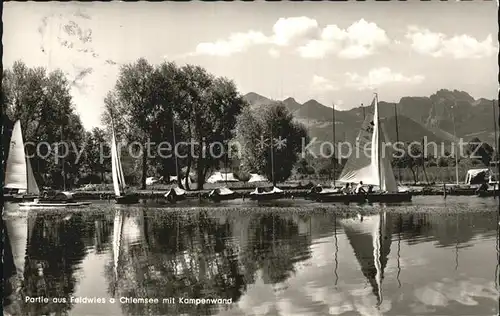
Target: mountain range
(439,117)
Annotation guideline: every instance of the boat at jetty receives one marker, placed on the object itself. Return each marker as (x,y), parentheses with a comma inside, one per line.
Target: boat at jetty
(374,170)
(118,177)
(175,194)
(20,183)
(488,193)
(222,194)
(60,200)
(262,194)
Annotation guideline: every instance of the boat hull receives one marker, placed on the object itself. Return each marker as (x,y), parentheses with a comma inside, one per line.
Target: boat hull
(47,205)
(488,193)
(19,197)
(389,197)
(364,198)
(267,196)
(127,199)
(223,197)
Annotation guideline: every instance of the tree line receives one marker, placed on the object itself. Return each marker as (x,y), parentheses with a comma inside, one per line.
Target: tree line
(183,105)
(148,105)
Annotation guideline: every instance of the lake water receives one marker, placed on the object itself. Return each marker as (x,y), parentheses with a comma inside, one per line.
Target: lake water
(430,257)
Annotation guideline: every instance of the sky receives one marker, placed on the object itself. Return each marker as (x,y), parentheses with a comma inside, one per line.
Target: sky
(335,52)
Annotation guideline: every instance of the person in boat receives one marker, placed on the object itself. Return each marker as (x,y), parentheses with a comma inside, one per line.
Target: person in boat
(346,190)
(370,189)
(359,188)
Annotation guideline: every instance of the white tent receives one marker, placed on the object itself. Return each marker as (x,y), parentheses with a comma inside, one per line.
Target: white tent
(221,177)
(256,178)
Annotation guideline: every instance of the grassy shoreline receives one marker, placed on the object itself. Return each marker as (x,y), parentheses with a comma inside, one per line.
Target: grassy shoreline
(291,191)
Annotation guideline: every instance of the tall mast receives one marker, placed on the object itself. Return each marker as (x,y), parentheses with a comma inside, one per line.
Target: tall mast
(456,147)
(272,155)
(496,149)
(378,142)
(226,147)
(334,147)
(397,137)
(175,150)
(63,173)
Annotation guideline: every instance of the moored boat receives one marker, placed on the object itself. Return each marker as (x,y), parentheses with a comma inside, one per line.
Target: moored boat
(372,170)
(60,200)
(121,197)
(222,194)
(488,193)
(261,194)
(175,194)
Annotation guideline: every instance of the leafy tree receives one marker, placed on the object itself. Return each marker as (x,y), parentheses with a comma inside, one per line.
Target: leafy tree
(42,103)
(272,141)
(411,159)
(96,149)
(157,102)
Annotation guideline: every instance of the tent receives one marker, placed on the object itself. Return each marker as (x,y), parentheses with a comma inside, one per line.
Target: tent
(221,177)
(476,176)
(257,178)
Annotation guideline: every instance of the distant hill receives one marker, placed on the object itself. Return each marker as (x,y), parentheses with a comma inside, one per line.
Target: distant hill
(417,117)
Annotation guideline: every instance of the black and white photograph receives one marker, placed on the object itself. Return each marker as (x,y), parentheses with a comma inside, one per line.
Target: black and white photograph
(290,158)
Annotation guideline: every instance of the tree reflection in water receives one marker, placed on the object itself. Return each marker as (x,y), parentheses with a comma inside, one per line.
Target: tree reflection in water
(176,255)
(54,251)
(196,256)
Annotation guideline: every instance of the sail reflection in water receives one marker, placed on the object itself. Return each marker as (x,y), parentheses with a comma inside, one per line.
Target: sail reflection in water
(267,263)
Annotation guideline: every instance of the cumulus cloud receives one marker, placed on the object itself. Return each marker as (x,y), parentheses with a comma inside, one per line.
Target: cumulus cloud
(286,30)
(426,42)
(236,43)
(359,40)
(380,76)
(322,84)
(309,39)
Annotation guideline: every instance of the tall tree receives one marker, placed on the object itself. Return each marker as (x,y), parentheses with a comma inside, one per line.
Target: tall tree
(137,97)
(272,141)
(42,103)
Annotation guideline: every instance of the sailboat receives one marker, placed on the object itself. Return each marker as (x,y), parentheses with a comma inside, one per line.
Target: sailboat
(374,170)
(118,177)
(20,182)
(370,239)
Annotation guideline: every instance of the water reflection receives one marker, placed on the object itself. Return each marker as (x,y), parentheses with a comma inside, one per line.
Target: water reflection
(267,263)
(370,239)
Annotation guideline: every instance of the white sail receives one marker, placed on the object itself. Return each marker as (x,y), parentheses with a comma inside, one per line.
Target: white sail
(16,171)
(116,168)
(365,163)
(32,185)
